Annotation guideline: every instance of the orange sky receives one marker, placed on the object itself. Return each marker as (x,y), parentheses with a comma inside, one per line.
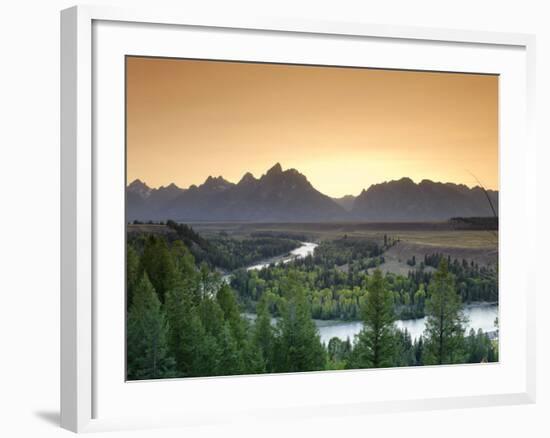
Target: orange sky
(344,128)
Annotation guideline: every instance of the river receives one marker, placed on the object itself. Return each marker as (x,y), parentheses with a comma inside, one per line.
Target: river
(301,252)
(480,316)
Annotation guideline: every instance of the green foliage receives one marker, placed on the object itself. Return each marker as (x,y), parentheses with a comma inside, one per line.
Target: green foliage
(474,283)
(335,279)
(418,351)
(231,360)
(375,344)
(185,321)
(479,348)
(147,347)
(159,265)
(339,353)
(198,336)
(184,262)
(132,273)
(298,347)
(264,336)
(405,351)
(339,252)
(231,253)
(186,330)
(445,324)
(228,303)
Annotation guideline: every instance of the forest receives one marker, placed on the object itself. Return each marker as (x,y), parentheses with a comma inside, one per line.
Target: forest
(185,320)
(337,286)
(223,252)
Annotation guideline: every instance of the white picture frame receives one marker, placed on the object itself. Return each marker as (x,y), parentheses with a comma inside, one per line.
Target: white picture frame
(91,37)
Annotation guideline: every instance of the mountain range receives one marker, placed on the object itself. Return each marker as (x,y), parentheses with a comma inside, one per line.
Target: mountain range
(287,196)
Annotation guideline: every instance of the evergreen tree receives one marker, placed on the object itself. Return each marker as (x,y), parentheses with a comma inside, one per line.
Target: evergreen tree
(338,353)
(298,346)
(132,273)
(206,353)
(178,311)
(158,263)
(444,334)
(404,349)
(231,360)
(264,336)
(185,270)
(420,298)
(147,330)
(479,348)
(186,335)
(241,332)
(252,356)
(375,343)
(195,348)
(418,348)
(183,260)
(228,303)
(211,316)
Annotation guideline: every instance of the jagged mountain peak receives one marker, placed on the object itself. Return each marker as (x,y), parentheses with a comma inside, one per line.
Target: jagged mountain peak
(277,196)
(169,187)
(276,169)
(403,200)
(137,183)
(139,188)
(288,196)
(215,179)
(404,180)
(218,183)
(247,178)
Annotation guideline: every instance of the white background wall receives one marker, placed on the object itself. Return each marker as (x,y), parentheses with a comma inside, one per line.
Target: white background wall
(29,217)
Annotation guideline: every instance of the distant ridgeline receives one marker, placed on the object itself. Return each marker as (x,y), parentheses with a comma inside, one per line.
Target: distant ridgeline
(287,196)
(474,223)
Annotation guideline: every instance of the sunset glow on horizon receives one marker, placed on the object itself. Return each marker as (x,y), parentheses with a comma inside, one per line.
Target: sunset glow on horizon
(343,128)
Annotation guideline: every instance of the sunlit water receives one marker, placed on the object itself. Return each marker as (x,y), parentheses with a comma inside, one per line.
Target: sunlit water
(479,317)
(303,251)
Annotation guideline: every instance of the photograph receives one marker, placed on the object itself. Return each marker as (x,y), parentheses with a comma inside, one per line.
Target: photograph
(288,218)
(275,219)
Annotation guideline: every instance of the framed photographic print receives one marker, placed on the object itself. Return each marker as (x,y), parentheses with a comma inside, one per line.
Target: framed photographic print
(257,208)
